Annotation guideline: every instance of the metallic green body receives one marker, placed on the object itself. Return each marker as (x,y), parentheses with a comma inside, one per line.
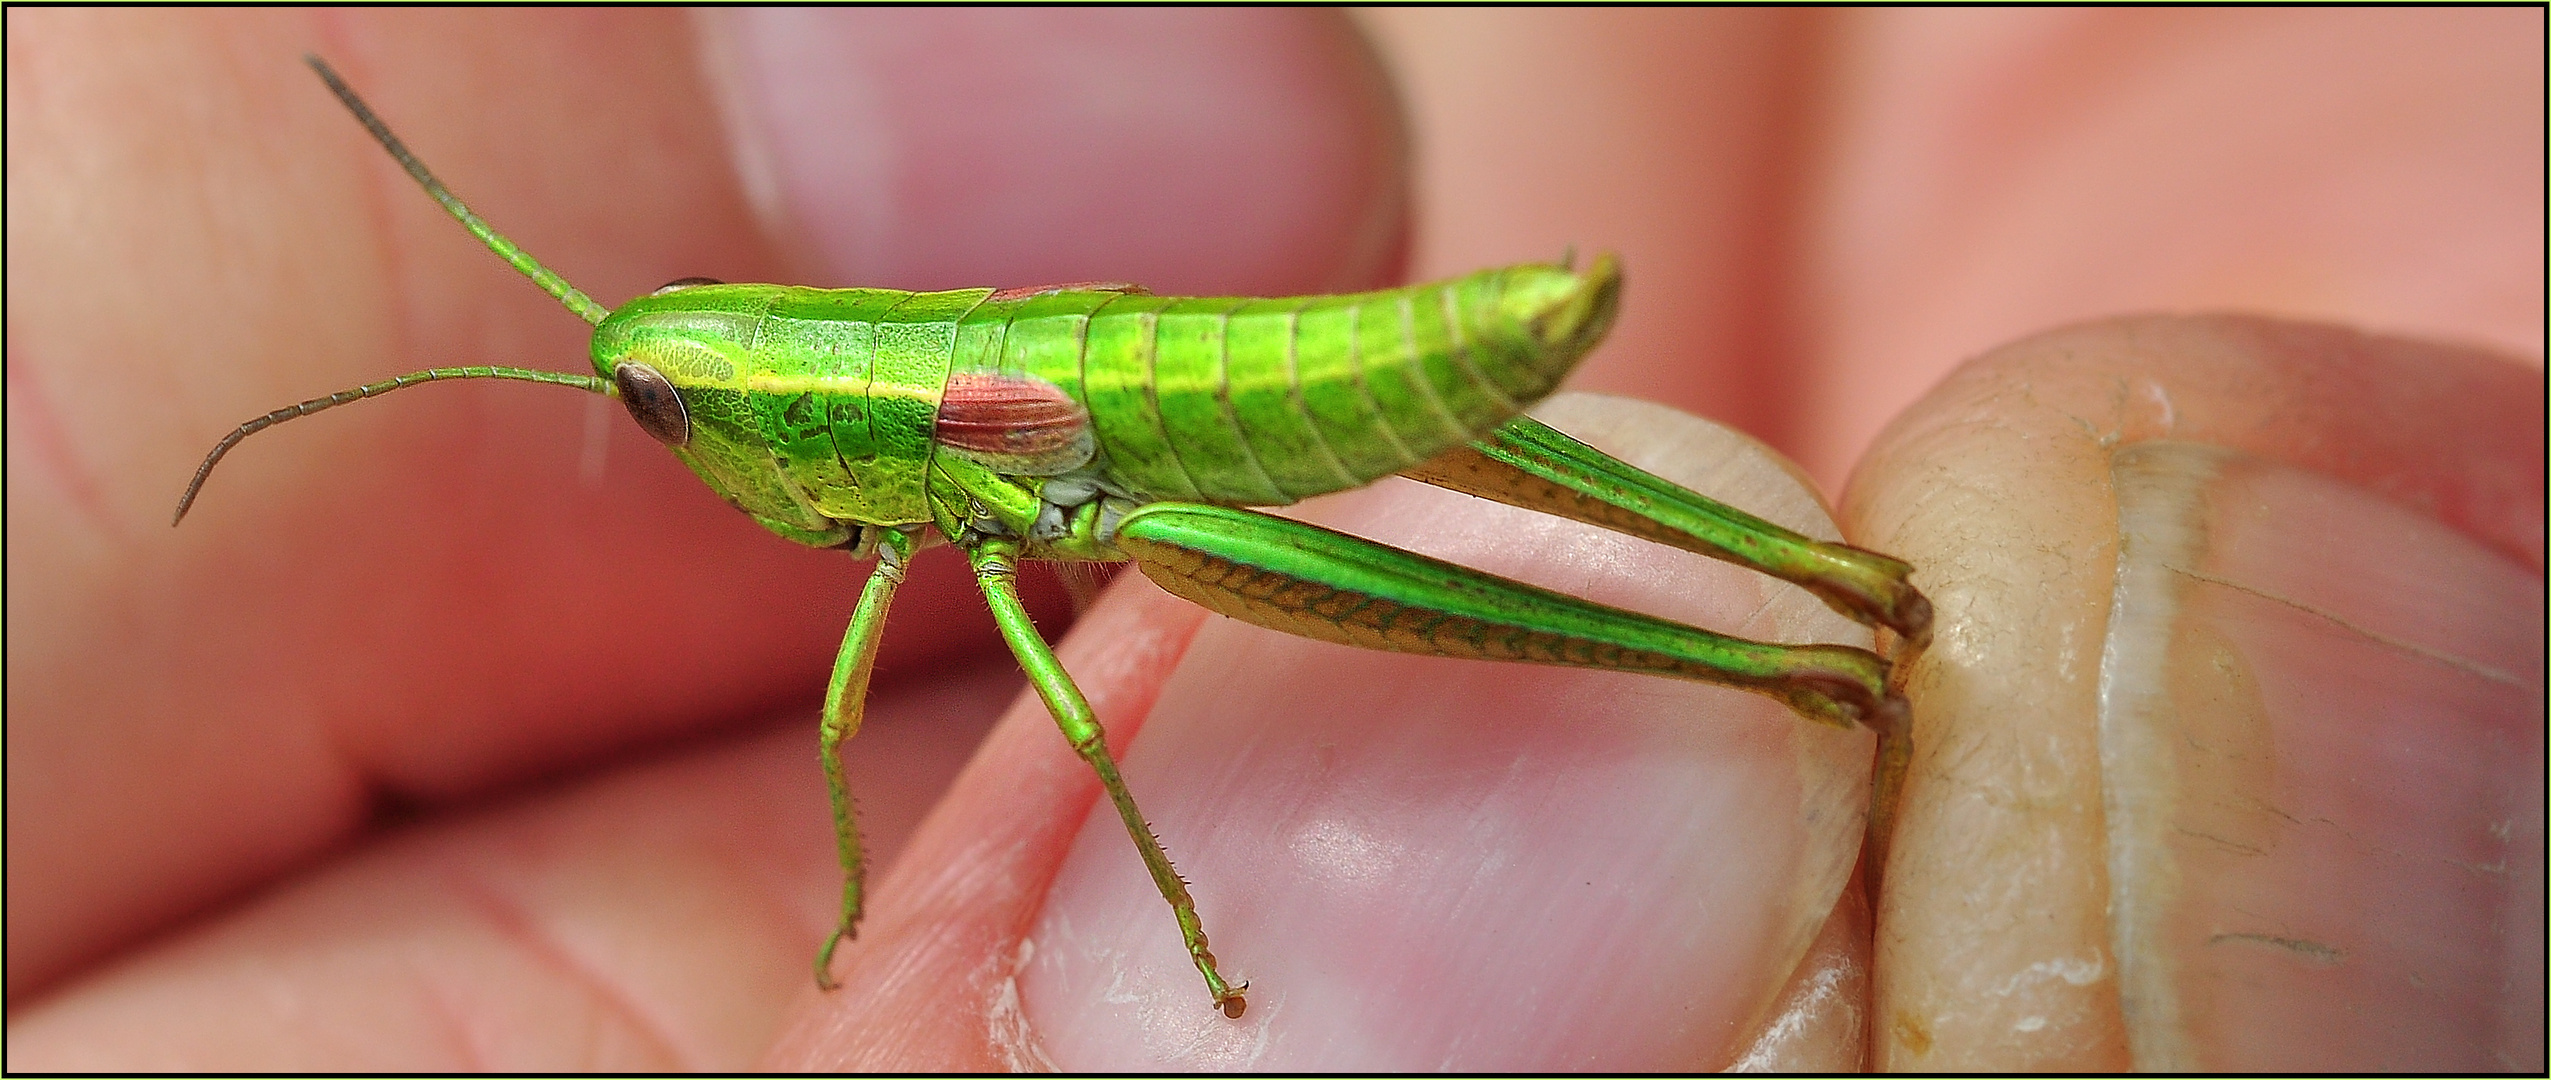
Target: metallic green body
(813,410)
(1105,423)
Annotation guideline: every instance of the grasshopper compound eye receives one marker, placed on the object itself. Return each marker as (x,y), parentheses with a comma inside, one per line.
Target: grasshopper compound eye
(653,402)
(679,284)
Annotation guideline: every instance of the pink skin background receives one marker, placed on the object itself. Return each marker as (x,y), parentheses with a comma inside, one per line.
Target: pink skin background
(466,731)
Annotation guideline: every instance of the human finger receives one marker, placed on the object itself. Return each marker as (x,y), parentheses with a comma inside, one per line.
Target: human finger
(1411,860)
(1981,173)
(2230,731)
(651,915)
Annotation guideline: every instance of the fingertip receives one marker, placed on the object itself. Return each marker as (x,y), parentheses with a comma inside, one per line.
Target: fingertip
(2194,576)
(1417,862)
(931,982)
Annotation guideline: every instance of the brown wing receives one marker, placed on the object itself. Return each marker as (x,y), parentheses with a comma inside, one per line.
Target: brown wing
(1014,424)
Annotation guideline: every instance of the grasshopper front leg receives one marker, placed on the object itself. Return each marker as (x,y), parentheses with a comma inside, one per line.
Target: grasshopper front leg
(845,701)
(996,573)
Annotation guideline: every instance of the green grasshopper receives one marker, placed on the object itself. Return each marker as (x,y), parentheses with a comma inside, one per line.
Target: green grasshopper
(1096,422)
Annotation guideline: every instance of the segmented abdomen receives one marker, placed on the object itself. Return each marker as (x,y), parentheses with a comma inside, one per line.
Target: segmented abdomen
(1263,402)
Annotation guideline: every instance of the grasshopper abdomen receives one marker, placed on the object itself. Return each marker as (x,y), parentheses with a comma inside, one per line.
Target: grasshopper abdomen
(1249,402)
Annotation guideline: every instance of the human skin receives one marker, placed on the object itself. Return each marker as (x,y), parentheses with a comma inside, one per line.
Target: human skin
(432,743)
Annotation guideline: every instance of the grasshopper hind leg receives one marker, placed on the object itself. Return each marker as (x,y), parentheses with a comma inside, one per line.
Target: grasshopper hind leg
(1529,464)
(1318,583)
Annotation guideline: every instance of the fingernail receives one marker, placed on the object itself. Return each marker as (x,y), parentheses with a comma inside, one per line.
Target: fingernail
(1423,863)
(1195,152)
(2321,732)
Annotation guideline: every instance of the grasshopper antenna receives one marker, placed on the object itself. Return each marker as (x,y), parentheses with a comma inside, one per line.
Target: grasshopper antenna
(556,286)
(592,383)
(575,300)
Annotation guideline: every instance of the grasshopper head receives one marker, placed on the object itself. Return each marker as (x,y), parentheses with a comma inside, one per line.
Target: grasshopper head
(679,360)
(676,358)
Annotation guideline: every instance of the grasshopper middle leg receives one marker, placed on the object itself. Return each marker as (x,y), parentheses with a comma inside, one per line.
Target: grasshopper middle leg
(996,573)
